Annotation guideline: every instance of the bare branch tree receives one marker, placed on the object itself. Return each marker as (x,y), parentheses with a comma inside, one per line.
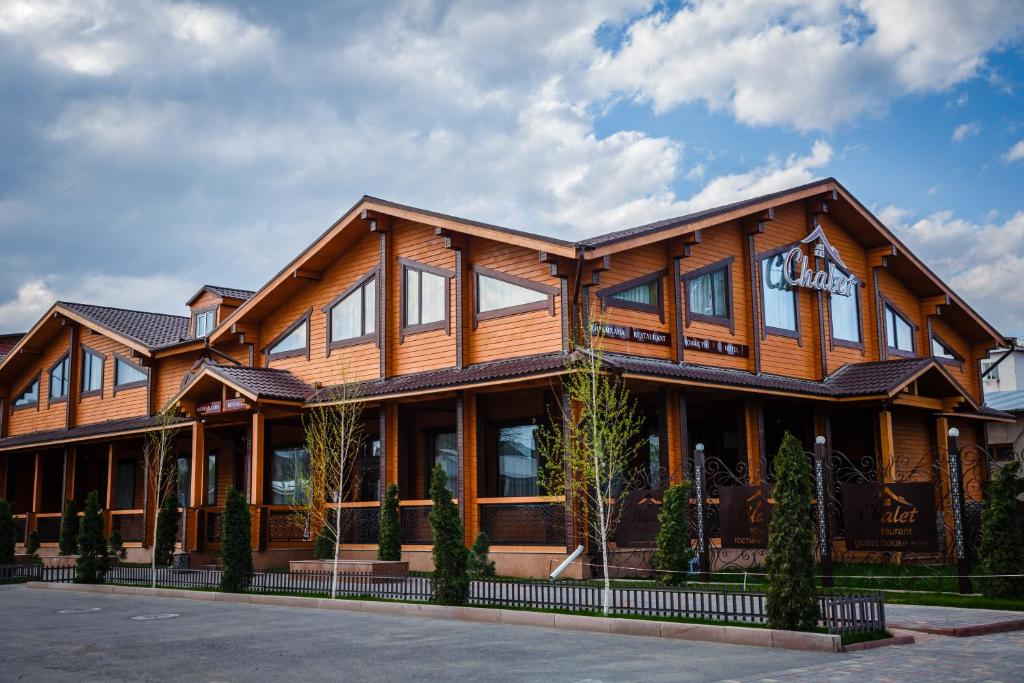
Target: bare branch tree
(588,448)
(158,455)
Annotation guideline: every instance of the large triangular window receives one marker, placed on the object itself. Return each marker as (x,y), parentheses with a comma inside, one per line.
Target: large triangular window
(294,341)
(499,294)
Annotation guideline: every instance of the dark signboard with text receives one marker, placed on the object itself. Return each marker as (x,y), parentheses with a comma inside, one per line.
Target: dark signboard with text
(890,517)
(638,521)
(744,513)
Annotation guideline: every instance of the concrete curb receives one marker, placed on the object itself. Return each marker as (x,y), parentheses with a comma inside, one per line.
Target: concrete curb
(965,631)
(886,642)
(734,635)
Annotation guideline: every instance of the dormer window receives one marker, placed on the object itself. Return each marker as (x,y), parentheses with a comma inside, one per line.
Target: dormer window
(639,294)
(204,323)
(352,316)
(60,375)
(294,341)
(29,396)
(499,294)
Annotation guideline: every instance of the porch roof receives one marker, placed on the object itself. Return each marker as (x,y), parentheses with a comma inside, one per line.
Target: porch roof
(256,384)
(124,426)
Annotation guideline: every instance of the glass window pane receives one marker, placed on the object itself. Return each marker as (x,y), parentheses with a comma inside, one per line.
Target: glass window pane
(433,297)
(904,335)
(369,471)
(92,372)
(124,491)
(59,379)
(370,306)
(125,373)
(845,314)
(346,317)
(442,448)
(720,306)
(412,297)
(211,478)
(700,296)
(646,293)
(184,482)
(289,482)
(494,294)
(30,395)
(779,300)
(890,328)
(294,341)
(517,461)
(940,350)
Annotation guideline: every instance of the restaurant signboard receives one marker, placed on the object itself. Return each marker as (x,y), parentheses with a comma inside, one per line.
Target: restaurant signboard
(890,517)
(744,513)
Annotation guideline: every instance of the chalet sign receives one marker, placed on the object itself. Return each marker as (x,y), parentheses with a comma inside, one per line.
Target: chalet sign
(715,346)
(798,273)
(744,513)
(230,405)
(890,517)
(630,334)
(638,521)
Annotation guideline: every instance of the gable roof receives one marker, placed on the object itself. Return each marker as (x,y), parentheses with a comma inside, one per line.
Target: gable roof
(8,342)
(225,292)
(153,330)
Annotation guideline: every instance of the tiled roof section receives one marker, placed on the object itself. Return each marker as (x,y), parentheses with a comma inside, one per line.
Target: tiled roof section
(712,375)
(152,330)
(264,383)
(1005,400)
(989,411)
(8,342)
(639,230)
(231,292)
(450,377)
(84,431)
(876,377)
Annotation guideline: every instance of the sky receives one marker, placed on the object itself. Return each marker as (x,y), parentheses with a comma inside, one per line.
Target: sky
(149,147)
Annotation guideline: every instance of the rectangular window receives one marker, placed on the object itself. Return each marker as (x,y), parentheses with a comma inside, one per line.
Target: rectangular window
(29,395)
(994,375)
(369,470)
(184,486)
(709,294)
(845,313)
(354,316)
(442,448)
(778,298)
(124,494)
(126,373)
(211,478)
(289,481)
(639,294)
(426,298)
(899,333)
(205,323)
(59,378)
(518,460)
(92,372)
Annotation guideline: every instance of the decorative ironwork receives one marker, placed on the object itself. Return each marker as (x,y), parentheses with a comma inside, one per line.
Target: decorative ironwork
(415,526)
(48,528)
(287,526)
(131,527)
(360,525)
(524,523)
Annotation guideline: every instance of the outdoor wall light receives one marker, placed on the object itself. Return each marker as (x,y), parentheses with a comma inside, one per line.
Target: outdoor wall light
(820,440)
(954,432)
(699,447)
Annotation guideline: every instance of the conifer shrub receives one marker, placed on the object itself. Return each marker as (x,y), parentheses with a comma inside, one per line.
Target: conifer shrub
(167,521)
(236,544)
(673,553)
(323,548)
(480,563)
(8,533)
(116,544)
(450,581)
(68,540)
(1002,543)
(32,546)
(93,559)
(792,593)
(389,541)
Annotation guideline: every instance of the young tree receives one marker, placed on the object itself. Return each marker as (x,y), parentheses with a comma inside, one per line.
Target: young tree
(480,563)
(587,453)
(334,434)
(673,553)
(160,473)
(389,541)
(93,560)
(33,542)
(68,541)
(116,544)
(792,593)
(449,582)
(8,533)
(236,544)
(1002,544)
(166,536)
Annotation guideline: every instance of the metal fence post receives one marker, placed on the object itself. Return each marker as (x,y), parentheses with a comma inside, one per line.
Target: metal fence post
(821,481)
(956,501)
(700,493)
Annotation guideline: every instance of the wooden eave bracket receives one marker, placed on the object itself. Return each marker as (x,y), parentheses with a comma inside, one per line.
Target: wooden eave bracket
(937,301)
(757,226)
(819,203)
(451,240)
(878,257)
(597,269)
(689,241)
(307,274)
(376,222)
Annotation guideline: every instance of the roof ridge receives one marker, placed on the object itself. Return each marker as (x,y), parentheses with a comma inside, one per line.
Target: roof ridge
(126,310)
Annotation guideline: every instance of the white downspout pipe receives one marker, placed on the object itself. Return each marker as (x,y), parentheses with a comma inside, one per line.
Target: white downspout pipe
(566,562)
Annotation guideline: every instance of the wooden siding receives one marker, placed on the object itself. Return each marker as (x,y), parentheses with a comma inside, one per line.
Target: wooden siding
(110,406)
(965,372)
(44,415)
(627,266)
(169,374)
(909,305)
(855,258)
(913,440)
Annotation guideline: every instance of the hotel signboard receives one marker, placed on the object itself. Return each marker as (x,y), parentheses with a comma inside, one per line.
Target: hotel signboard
(798,273)
(631,334)
(890,517)
(744,513)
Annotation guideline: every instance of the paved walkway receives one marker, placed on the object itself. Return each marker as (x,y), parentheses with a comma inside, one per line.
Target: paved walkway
(952,621)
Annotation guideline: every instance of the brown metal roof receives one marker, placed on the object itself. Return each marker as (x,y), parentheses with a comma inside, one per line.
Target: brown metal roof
(875,377)
(231,292)
(263,383)
(97,429)
(152,330)
(8,342)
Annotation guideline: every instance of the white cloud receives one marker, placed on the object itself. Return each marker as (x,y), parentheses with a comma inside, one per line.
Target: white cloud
(966,130)
(1015,153)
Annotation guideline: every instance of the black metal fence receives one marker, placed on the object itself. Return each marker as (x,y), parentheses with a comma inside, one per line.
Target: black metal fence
(841,614)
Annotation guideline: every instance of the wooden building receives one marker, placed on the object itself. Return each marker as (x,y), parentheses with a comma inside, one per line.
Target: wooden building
(793,311)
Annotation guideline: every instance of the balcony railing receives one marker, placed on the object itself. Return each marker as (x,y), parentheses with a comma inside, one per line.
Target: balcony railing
(48,526)
(131,524)
(359,523)
(526,522)
(287,526)
(415,526)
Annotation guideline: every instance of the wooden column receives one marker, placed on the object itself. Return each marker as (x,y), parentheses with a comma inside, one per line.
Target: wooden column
(391,457)
(753,418)
(197,498)
(69,474)
(471,426)
(460,456)
(258,448)
(108,504)
(382,434)
(887,443)
(37,482)
(74,357)
(673,434)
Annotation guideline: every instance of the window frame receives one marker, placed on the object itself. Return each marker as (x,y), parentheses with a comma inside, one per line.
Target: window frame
(833,340)
(443,324)
(429,436)
(293,353)
(991,376)
(495,428)
(549,291)
(607,295)
(888,305)
(67,380)
(129,385)
(767,329)
(102,358)
(957,359)
(328,310)
(36,379)
(195,321)
(729,320)
(212,456)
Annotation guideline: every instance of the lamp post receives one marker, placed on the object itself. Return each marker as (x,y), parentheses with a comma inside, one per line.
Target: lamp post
(700,493)
(956,501)
(822,489)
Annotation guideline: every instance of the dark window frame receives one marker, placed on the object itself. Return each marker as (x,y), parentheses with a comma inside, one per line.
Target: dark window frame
(67,380)
(888,305)
(118,463)
(443,324)
(429,434)
(549,291)
(846,343)
(365,337)
(214,455)
(36,379)
(729,320)
(957,359)
(495,427)
(195,320)
(767,329)
(294,353)
(607,295)
(129,385)
(102,358)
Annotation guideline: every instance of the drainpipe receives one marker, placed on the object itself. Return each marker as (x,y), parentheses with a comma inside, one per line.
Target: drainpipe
(566,562)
